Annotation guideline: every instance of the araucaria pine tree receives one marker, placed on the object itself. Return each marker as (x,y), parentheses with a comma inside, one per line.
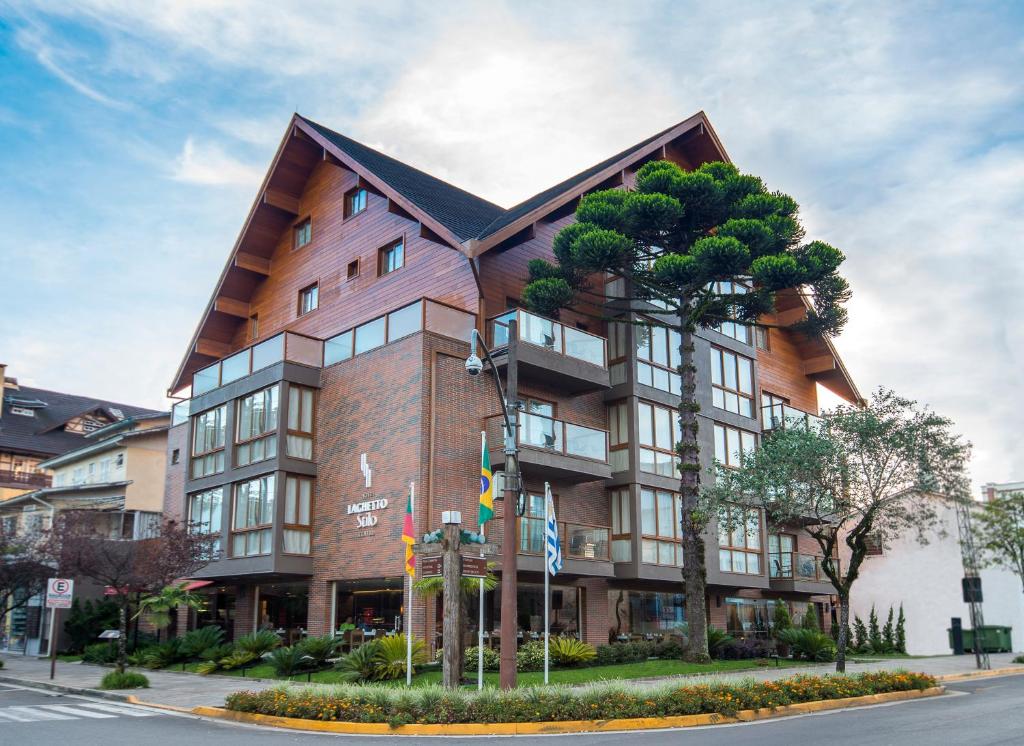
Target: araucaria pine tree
(692,249)
(874,633)
(901,632)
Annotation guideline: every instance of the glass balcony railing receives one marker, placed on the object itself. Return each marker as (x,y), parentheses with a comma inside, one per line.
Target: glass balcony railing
(785,417)
(296,348)
(551,335)
(538,431)
(797,566)
(578,541)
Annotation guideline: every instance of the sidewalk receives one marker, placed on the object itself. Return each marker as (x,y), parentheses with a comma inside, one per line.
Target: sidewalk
(191,690)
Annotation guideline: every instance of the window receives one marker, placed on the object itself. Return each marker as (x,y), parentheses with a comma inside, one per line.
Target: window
(658,433)
(405,321)
(762,338)
(780,555)
(300,422)
(392,257)
(618,435)
(732,444)
(531,525)
(204,513)
(355,201)
(208,442)
(370,335)
(303,233)
(773,410)
(732,382)
(750,617)
(739,540)
(353,270)
(175,455)
(254,327)
(622,548)
(298,501)
(253,517)
(309,298)
(734,329)
(338,348)
(660,528)
(658,358)
(105,469)
(257,427)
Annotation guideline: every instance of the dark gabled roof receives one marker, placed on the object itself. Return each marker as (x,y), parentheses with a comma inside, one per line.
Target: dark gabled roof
(538,200)
(462,213)
(43,434)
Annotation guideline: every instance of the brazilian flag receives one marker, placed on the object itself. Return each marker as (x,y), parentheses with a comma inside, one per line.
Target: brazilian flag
(486,483)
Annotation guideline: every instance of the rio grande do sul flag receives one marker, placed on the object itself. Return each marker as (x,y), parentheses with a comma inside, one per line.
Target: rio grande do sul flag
(408,538)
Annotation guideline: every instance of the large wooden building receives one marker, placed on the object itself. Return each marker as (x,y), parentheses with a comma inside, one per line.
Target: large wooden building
(327,373)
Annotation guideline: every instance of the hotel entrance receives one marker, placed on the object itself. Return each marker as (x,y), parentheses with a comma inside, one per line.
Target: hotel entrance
(374,607)
(283,608)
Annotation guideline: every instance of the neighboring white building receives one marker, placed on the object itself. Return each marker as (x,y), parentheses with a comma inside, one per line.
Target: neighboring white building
(926,580)
(995,490)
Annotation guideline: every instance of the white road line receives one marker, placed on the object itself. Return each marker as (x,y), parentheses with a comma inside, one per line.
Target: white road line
(36,714)
(76,712)
(15,717)
(139,713)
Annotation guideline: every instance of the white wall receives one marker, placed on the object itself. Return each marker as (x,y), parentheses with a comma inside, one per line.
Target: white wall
(926,579)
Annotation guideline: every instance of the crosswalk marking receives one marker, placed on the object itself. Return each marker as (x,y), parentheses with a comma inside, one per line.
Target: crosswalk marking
(15,717)
(131,712)
(36,714)
(77,712)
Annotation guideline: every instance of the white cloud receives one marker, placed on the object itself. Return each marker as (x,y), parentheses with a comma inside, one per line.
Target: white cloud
(209,165)
(47,56)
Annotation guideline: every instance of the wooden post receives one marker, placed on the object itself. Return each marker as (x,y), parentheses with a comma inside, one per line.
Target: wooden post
(452,661)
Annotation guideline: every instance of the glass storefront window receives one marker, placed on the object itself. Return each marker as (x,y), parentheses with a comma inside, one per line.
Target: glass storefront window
(644,613)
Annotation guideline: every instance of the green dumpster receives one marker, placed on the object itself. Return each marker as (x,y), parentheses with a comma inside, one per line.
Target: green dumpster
(994,638)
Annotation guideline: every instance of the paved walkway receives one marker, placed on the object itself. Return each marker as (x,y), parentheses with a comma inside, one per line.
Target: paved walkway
(191,690)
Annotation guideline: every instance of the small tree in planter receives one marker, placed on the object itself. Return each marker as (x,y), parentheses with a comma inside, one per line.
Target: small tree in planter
(781,621)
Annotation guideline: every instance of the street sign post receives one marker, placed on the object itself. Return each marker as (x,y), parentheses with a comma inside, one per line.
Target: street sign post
(59,593)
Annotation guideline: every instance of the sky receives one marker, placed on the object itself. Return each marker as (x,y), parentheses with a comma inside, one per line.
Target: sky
(133,136)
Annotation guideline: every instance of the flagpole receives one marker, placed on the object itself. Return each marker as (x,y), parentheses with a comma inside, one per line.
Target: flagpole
(480,600)
(547,577)
(408,607)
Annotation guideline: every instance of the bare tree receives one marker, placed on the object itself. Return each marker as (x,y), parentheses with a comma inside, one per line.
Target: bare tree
(81,543)
(25,565)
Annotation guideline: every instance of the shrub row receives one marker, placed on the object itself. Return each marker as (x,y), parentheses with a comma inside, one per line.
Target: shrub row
(367,704)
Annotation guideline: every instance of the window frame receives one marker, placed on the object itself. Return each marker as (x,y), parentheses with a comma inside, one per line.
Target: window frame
(734,326)
(349,274)
(719,365)
(250,528)
(658,537)
(745,549)
(286,525)
(262,435)
(346,211)
(194,455)
(315,287)
(741,432)
(300,228)
(646,352)
(674,433)
(384,250)
(289,432)
(215,532)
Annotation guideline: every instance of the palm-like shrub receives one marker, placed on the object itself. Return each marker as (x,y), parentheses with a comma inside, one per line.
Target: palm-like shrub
(809,644)
(237,659)
(360,664)
(258,643)
(198,641)
(568,651)
(319,649)
(288,660)
(391,656)
(717,640)
(164,654)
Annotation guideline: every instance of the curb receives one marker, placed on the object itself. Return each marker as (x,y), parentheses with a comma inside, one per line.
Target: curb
(967,676)
(98,693)
(567,726)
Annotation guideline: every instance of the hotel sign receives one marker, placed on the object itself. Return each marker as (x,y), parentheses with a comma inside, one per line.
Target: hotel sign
(366,511)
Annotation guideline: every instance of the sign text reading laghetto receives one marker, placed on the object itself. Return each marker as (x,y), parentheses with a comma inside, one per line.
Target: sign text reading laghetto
(367,506)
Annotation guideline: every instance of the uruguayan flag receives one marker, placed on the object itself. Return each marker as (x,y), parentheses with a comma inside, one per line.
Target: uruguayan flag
(552,547)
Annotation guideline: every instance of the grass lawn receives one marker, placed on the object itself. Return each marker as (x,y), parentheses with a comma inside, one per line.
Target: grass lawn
(432,675)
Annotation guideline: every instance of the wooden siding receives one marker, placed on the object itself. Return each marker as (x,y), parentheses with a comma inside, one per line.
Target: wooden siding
(781,372)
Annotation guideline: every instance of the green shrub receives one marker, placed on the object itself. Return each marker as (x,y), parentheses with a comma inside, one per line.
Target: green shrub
(889,634)
(319,649)
(138,657)
(810,620)
(530,656)
(492,660)
(288,660)
(1019,659)
(360,664)
(568,651)
(198,641)
(391,658)
(901,633)
(100,652)
(860,635)
(125,680)
(809,644)
(717,641)
(434,705)
(258,643)
(238,659)
(164,654)
(669,649)
(781,619)
(874,633)
(87,619)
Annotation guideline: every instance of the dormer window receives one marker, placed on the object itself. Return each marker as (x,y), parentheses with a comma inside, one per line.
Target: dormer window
(303,233)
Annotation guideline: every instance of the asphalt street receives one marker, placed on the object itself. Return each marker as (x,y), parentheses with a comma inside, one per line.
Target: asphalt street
(979,713)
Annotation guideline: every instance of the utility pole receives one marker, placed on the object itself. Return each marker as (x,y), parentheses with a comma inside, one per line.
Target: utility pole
(509,521)
(452,573)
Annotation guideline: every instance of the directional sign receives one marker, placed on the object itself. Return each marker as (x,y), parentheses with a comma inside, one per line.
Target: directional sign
(59,592)
(430,566)
(474,567)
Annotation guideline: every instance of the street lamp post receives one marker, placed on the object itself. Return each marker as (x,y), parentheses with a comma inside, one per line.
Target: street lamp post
(512,485)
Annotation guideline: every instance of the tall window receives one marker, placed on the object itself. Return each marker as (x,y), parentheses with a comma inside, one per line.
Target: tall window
(660,528)
(531,525)
(208,442)
(658,358)
(618,435)
(622,548)
(732,382)
(734,329)
(300,422)
(309,298)
(739,540)
(298,506)
(658,435)
(773,410)
(732,444)
(253,517)
(257,427)
(780,555)
(355,202)
(392,257)
(204,513)
(303,233)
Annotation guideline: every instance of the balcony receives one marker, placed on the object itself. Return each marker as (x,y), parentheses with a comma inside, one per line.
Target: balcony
(799,572)
(561,357)
(785,417)
(287,346)
(23,479)
(579,541)
(551,449)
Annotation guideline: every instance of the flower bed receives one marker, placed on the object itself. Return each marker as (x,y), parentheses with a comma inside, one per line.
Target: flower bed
(363,704)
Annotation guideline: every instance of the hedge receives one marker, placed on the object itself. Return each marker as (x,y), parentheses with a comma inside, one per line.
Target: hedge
(370,704)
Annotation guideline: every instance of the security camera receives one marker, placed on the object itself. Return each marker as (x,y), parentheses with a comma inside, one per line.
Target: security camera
(474,365)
